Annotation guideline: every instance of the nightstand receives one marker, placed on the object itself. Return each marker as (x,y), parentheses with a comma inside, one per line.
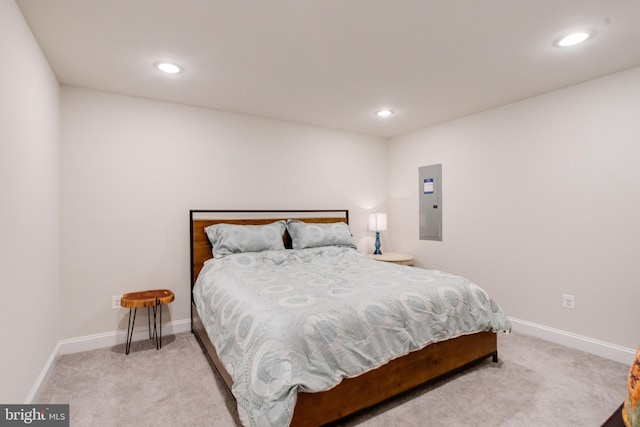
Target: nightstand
(394,257)
(155,299)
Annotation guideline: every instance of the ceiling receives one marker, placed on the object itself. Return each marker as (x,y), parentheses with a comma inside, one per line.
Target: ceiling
(334,63)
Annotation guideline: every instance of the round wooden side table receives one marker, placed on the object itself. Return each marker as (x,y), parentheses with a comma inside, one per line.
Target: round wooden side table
(155,298)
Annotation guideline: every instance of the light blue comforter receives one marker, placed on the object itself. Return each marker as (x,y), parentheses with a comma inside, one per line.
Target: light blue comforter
(291,320)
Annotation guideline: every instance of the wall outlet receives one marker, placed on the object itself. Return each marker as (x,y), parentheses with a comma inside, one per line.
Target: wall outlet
(568,301)
(115,301)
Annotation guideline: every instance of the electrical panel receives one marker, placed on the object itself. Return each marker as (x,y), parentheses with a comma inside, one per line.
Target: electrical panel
(430,194)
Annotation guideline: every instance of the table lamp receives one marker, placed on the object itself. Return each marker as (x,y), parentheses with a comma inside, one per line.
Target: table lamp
(377,223)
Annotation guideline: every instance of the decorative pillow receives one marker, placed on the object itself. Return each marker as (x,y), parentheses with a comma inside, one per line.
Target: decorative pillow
(313,235)
(631,409)
(232,238)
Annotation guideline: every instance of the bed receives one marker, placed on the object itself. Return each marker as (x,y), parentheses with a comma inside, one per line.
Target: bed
(313,402)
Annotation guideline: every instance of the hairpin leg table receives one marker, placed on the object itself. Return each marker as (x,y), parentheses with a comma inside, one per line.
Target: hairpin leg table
(151,299)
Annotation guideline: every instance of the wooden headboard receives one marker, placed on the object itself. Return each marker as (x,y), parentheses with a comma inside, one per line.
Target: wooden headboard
(199,219)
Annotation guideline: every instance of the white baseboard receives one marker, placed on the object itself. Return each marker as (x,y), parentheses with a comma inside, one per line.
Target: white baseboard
(579,342)
(110,339)
(96,341)
(43,378)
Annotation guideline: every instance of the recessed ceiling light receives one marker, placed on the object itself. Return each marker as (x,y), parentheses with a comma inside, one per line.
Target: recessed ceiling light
(384,113)
(573,39)
(168,67)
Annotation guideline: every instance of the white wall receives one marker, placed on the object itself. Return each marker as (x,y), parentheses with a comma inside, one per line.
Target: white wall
(29,207)
(132,169)
(540,198)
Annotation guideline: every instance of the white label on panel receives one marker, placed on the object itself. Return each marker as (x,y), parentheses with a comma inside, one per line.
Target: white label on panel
(428,186)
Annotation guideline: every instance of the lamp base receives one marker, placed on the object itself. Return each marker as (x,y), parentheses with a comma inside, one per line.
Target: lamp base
(377,251)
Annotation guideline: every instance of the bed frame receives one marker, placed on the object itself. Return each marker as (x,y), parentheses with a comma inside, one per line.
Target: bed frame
(354,394)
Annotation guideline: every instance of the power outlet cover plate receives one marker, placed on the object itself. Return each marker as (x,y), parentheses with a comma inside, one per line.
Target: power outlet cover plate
(115,301)
(568,301)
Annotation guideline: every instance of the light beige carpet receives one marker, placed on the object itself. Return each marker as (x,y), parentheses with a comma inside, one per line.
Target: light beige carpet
(536,383)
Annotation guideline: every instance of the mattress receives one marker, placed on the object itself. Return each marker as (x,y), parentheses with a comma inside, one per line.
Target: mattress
(284,321)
